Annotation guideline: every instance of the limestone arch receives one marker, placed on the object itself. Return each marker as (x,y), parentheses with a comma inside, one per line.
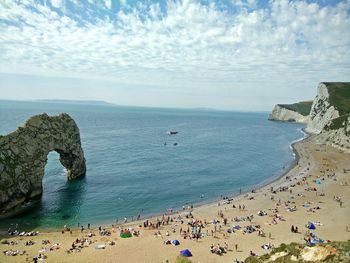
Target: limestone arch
(23,156)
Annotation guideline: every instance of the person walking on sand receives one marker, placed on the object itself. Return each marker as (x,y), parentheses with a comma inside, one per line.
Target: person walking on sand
(226,246)
(236,246)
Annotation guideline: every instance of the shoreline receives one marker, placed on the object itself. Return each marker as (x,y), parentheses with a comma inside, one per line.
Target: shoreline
(195,205)
(312,162)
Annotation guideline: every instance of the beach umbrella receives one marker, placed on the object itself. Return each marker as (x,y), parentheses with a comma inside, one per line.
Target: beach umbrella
(185,253)
(175,242)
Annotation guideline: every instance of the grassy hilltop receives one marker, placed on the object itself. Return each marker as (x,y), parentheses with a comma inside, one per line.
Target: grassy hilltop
(339,96)
(302,107)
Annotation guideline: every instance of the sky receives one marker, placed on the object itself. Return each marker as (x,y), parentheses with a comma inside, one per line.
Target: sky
(225,54)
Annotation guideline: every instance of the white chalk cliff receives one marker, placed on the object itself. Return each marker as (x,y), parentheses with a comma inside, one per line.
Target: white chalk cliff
(280,113)
(336,136)
(321,111)
(329,116)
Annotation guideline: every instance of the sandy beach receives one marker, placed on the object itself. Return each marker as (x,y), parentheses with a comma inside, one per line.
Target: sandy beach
(315,190)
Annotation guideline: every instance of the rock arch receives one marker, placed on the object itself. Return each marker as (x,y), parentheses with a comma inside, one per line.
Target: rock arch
(23,156)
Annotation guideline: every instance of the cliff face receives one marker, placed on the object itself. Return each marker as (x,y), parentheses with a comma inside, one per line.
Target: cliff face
(23,156)
(321,111)
(280,113)
(329,115)
(337,133)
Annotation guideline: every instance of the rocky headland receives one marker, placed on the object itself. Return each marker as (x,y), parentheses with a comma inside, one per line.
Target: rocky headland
(296,112)
(328,115)
(23,156)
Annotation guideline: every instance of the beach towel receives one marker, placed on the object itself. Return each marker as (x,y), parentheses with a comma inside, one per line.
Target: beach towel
(100,247)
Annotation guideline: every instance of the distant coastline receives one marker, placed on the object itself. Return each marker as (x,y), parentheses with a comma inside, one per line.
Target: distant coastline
(78,102)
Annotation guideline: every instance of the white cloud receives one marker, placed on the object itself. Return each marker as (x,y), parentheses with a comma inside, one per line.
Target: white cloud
(191,46)
(245,3)
(108,3)
(57,3)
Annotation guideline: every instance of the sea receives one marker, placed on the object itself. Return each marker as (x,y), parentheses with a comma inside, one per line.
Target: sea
(134,168)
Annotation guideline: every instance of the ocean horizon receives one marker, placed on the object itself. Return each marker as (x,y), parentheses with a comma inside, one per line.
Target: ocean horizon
(135,168)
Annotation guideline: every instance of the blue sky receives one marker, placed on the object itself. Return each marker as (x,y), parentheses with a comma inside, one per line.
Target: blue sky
(238,54)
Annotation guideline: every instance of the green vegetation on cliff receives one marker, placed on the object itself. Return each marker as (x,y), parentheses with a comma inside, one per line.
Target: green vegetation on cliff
(302,107)
(337,251)
(338,123)
(339,96)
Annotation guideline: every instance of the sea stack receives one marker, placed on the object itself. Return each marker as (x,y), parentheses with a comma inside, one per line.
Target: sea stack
(23,156)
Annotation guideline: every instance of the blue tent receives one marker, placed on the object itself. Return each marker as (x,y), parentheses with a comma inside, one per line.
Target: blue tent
(185,253)
(312,243)
(311,226)
(175,242)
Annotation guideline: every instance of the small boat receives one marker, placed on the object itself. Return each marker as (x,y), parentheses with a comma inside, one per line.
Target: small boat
(172,132)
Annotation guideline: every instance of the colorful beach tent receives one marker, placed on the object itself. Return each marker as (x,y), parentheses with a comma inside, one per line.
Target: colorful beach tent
(125,234)
(175,242)
(316,241)
(185,253)
(311,226)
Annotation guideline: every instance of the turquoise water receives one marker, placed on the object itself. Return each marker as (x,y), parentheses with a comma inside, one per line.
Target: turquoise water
(130,171)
